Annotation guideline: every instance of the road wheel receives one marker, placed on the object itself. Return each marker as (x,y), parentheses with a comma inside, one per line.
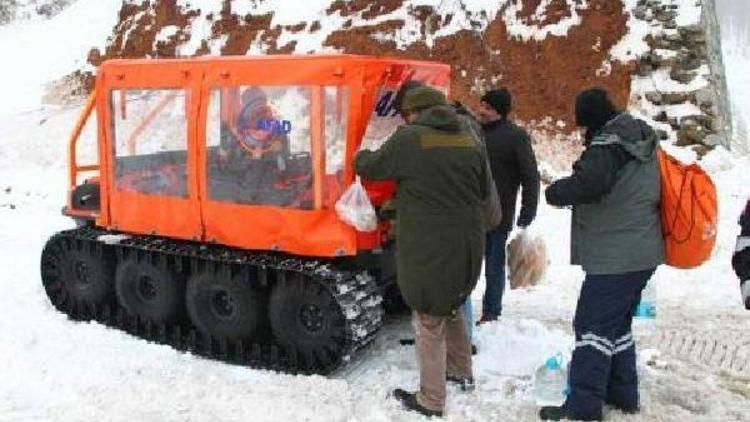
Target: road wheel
(149,290)
(225,306)
(75,274)
(305,317)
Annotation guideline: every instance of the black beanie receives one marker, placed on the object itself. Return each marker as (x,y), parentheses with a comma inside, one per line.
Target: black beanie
(594,109)
(398,102)
(500,100)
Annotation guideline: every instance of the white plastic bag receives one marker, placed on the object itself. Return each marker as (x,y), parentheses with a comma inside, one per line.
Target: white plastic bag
(354,208)
(527,260)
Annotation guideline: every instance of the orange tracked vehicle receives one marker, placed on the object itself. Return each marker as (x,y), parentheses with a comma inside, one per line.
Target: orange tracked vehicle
(208,221)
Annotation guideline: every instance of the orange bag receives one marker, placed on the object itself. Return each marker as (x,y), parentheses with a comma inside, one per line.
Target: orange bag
(689,212)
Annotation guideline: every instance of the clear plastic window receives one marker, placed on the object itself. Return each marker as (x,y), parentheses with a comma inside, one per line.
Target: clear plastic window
(384,120)
(259,146)
(87,151)
(150,141)
(336,117)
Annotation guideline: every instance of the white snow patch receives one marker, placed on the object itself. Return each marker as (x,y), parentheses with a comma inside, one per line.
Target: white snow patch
(528,340)
(682,110)
(113,239)
(660,81)
(166,33)
(632,45)
(689,12)
(525,30)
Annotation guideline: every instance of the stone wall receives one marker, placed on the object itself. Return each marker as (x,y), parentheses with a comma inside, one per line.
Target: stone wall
(694,111)
(718,82)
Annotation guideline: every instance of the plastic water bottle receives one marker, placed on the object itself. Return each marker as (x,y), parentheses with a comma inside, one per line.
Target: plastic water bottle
(644,314)
(551,383)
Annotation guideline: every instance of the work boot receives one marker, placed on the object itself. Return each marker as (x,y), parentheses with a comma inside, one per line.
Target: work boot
(409,401)
(559,413)
(474,349)
(487,318)
(628,410)
(466,384)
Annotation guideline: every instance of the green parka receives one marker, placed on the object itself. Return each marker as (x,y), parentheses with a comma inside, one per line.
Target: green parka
(441,182)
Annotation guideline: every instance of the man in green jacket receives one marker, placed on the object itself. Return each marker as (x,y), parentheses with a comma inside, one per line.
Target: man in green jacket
(441,177)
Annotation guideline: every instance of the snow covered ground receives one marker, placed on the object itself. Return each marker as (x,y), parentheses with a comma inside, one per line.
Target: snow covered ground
(55,369)
(696,367)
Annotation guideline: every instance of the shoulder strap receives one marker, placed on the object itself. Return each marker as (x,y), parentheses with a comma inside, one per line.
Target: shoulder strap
(606,139)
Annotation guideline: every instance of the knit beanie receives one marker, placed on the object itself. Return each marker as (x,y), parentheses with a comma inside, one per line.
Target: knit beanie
(500,100)
(594,109)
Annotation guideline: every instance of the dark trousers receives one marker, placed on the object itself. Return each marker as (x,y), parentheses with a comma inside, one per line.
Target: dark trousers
(603,368)
(494,271)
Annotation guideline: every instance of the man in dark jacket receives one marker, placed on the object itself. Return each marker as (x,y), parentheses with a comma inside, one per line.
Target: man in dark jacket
(741,257)
(441,182)
(492,206)
(616,237)
(513,166)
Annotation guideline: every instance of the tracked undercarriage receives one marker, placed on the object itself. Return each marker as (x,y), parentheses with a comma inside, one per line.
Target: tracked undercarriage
(261,310)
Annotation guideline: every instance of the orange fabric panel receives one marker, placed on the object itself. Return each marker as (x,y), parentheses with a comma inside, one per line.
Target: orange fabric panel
(151,214)
(103,136)
(309,233)
(317,129)
(146,213)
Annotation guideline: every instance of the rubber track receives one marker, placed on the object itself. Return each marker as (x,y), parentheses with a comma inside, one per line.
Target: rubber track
(357,294)
(728,353)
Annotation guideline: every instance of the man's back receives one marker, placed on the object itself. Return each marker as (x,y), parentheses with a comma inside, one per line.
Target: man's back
(444,172)
(441,176)
(438,167)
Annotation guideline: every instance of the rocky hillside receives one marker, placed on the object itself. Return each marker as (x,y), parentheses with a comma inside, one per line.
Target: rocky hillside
(653,55)
(545,51)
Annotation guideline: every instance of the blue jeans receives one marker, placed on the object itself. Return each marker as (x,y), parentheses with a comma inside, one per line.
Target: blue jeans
(468,310)
(603,368)
(494,271)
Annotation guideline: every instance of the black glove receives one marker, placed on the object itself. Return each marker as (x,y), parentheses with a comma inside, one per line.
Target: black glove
(524,221)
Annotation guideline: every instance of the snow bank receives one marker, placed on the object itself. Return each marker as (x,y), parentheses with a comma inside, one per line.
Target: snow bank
(40,51)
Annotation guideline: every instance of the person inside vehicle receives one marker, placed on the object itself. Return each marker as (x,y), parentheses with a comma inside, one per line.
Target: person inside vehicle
(255,165)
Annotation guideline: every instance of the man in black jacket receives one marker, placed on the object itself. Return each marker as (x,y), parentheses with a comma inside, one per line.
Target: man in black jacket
(616,237)
(513,166)
(741,257)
